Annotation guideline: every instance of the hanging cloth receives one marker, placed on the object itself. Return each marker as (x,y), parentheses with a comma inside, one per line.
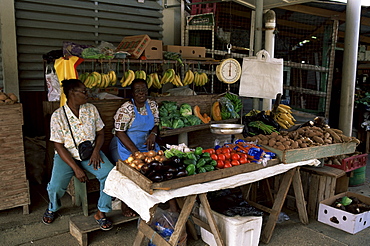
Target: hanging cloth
(66,69)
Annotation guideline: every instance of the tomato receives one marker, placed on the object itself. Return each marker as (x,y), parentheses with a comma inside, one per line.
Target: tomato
(235,162)
(211,151)
(227,155)
(243,160)
(227,164)
(220,164)
(221,157)
(214,157)
(219,151)
(243,155)
(226,150)
(235,156)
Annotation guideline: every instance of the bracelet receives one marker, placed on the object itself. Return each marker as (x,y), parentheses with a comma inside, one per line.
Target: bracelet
(155,134)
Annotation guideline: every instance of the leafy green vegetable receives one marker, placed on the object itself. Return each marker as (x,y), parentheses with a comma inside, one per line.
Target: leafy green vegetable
(185,109)
(170,106)
(165,122)
(193,120)
(346,201)
(177,123)
(163,112)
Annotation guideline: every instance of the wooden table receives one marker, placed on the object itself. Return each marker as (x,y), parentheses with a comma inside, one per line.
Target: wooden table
(290,173)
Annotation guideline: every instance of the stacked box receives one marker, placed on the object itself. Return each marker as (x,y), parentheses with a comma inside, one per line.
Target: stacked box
(187,51)
(135,45)
(154,50)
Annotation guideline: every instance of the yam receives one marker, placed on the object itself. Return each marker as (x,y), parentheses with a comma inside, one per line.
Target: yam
(281,147)
(265,142)
(13,97)
(303,145)
(318,140)
(272,142)
(334,135)
(2,102)
(274,134)
(294,145)
(3,97)
(9,101)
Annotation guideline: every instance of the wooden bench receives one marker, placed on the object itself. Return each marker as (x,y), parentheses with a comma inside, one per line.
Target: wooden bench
(80,226)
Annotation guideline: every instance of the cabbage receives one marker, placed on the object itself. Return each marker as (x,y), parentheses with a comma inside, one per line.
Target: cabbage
(185,109)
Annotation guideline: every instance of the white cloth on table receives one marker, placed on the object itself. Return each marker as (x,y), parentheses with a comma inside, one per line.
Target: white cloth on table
(120,186)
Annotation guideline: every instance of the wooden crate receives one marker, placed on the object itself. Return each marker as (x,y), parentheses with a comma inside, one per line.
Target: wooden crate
(317,152)
(149,186)
(14,185)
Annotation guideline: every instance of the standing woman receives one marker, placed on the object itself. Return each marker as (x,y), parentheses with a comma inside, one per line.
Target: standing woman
(86,125)
(136,127)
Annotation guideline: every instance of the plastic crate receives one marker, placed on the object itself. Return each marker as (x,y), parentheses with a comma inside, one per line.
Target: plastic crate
(351,163)
(235,231)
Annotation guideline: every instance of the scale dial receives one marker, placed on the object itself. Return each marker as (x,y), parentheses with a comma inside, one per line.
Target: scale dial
(229,71)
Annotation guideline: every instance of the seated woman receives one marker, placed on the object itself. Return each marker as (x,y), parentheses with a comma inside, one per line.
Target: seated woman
(84,121)
(136,127)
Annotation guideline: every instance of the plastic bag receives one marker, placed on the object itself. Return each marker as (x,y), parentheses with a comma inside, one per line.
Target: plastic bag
(164,223)
(53,84)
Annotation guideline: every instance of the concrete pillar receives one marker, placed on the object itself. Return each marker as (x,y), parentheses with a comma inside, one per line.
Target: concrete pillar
(349,69)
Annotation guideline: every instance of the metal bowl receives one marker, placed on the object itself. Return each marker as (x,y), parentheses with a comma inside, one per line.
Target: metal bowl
(227,128)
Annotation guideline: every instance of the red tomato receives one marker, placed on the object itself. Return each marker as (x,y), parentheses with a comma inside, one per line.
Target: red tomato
(228,164)
(235,162)
(243,160)
(211,151)
(243,155)
(227,155)
(219,151)
(221,157)
(226,150)
(220,164)
(235,156)
(214,157)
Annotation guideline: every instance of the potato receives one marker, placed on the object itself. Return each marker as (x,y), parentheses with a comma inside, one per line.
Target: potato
(272,142)
(303,145)
(13,97)
(294,145)
(287,143)
(3,97)
(274,134)
(281,147)
(265,142)
(318,140)
(9,101)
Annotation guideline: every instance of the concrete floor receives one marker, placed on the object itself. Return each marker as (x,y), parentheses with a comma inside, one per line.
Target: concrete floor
(19,229)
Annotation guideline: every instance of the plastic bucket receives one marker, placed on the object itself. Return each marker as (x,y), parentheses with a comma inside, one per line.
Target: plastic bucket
(358,177)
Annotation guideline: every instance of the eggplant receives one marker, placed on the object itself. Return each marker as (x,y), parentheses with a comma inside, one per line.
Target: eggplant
(145,169)
(157,178)
(172,170)
(175,159)
(155,165)
(181,174)
(168,175)
(151,174)
(181,168)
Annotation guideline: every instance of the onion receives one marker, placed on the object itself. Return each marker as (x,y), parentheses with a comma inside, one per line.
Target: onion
(130,159)
(140,156)
(148,159)
(163,158)
(137,153)
(132,165)
(151,153)
(140,165)
(136,161)
(160,152)
(157,158)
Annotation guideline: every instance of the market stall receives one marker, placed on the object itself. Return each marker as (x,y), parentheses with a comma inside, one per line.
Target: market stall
(124,188)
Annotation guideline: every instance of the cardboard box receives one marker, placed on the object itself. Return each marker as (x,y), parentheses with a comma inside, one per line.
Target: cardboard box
(348,222)
(187,51)
(235,231)
(135,45)
(154,50)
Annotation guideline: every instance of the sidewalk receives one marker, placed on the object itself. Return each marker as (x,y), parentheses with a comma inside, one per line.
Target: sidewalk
(19,229)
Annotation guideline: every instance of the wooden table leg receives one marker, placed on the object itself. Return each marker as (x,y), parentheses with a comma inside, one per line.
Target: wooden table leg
(190,225)
(211,220)
(278,205)
(299,197)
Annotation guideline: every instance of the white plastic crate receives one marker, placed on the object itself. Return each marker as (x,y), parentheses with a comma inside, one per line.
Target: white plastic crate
(343,220)
(235,231)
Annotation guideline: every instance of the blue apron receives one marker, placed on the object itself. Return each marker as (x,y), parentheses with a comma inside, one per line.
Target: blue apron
(138,132)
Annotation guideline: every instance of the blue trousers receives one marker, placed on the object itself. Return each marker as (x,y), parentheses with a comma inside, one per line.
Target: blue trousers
(62,174)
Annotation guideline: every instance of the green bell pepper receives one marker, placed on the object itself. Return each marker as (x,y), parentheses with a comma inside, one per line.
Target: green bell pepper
(198,150)
(190,161)
(190,169)
(201,162)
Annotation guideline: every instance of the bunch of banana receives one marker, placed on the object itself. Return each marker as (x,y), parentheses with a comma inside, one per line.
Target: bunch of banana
(140,74)
(127,78)
(149,80)
(93,80)
(168,76)
(155,81)
(200,79)
(177,81)
(112,78)
(284,116)
(189,77)
(83,76)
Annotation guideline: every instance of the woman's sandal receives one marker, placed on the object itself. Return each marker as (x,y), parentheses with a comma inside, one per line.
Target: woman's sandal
(104,224)
(50,215)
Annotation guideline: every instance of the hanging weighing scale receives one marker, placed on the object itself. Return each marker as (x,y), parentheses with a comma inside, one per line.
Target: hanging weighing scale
(229,70)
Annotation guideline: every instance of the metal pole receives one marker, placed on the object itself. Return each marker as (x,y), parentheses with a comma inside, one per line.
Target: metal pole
(270,24)
(258,39)
(349,68)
